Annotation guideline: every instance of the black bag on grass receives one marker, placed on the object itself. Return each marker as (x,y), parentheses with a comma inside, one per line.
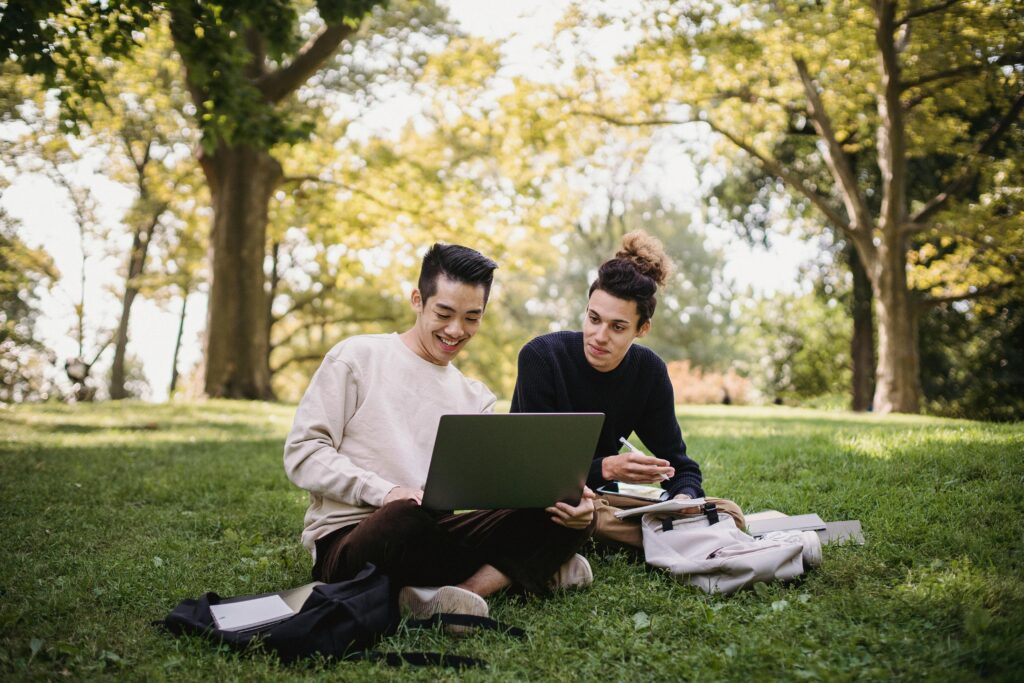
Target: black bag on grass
(341,620)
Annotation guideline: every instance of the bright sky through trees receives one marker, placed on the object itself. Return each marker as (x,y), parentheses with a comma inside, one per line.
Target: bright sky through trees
(522,26)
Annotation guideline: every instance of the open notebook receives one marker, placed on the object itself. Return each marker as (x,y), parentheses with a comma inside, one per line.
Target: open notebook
(251,613)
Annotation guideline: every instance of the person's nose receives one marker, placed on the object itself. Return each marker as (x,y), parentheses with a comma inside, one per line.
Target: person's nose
(601,336)
(454,329)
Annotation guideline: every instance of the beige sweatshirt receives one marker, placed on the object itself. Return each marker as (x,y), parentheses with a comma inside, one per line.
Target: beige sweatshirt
(367,424)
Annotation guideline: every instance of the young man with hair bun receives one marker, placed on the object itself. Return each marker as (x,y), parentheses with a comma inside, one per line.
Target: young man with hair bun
(600,370)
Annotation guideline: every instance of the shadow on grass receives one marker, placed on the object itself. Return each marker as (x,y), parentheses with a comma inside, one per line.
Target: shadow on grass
(72,428)
(91,419)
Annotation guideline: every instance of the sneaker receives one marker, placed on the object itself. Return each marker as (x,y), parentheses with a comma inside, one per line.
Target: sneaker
(423,603)
(808,539)
(575,573)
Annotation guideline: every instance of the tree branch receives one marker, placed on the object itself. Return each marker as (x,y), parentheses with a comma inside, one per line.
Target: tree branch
(1004,60)
(300,302)
(103,347)
(319,354)
(748,96)
(297,359)
(977,293)
(278,84)
(835,158)
(795,180)
(891,137)
(923,11)
(353,190)
(960,184)
(182,32)
(257,67)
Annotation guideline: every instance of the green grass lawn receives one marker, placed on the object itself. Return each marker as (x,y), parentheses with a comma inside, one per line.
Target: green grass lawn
(113,513)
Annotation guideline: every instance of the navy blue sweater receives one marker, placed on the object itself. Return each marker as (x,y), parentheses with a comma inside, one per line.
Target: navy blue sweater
(555,377)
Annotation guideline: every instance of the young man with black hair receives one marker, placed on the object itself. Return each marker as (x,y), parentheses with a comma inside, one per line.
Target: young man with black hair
(361,445)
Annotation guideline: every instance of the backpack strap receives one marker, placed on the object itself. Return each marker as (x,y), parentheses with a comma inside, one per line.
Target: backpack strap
(711,512)
(436,658)
(417,659)
(468,620)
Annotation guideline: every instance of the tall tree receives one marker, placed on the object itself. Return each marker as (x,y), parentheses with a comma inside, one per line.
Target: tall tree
(243,65)
(144,141)
(44,151)
(145,131)
(902,78)
(751,200)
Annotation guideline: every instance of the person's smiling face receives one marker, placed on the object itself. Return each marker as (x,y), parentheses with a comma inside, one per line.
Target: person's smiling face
(446,321)
(610,326)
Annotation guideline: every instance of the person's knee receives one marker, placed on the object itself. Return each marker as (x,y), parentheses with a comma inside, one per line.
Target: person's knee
(399,508)
(404,519)
(403,509)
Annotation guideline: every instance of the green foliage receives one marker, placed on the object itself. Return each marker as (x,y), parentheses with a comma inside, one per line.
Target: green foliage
(144,506)
(897,122)
(24,272)
(222,45)
(212,42)
(978,368)
(56,39)
(692,317)
(352,228)
(797,345)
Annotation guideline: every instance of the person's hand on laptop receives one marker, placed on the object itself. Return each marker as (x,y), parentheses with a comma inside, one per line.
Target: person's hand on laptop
(636,468)
(574,516)
(402,493)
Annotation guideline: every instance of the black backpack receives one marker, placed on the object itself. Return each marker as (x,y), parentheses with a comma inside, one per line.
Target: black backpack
(341,620)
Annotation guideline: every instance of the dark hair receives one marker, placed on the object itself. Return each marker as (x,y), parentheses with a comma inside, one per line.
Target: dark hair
(458,263)
(634,274)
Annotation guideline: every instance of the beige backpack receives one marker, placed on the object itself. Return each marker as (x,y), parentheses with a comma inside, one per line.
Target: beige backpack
(718,558)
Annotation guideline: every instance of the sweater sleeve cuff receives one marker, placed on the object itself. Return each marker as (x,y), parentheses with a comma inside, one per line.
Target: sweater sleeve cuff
(692,490)
(374,489)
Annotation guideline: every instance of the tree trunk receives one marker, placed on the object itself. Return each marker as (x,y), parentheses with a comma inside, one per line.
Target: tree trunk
(898,386)
(897,383)
(136,264)
(862,343)
(177,343)
(242,180)
(117,373)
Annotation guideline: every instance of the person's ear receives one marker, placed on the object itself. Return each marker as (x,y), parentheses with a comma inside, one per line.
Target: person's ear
(416,300)
(644,329)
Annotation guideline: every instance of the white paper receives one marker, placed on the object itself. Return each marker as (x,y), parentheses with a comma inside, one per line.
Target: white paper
(650,492)
(240,616)
(664,506)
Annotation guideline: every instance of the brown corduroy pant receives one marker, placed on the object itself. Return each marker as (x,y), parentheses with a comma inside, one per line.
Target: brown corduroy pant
(419,547)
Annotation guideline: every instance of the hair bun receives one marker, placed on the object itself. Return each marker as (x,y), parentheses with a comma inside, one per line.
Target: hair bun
(647,254)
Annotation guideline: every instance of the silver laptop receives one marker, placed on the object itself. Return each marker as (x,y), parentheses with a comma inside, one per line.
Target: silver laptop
(518,460)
